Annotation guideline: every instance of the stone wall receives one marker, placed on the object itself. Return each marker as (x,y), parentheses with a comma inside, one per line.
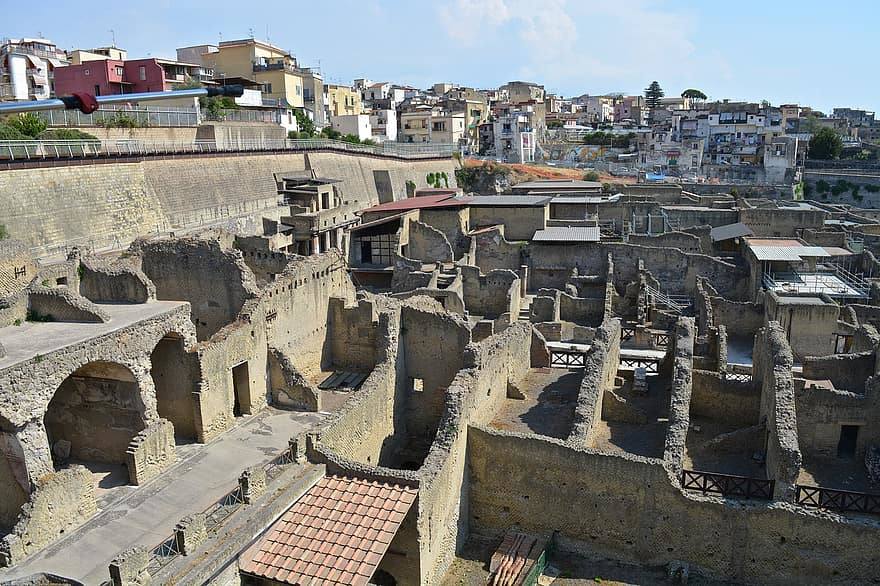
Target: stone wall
(490,250)
(731,401)
(772,370)
(600,368)
(821,412)
(492,294)
(114,283)
(428,244)
(680,394)
(630,508)
(61,304)
(111,203)
(847,372)
(681,240)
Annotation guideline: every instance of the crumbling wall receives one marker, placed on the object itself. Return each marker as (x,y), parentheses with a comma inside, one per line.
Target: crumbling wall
(821,412)
(492,294)
(772,370)
(121,282)
(490,250)
(264,262)
(741,318)
(428,244)
(581,310)
(61,304)
(60,502)
(630,508)
(215,280)
(717,397)
(600,368)
(453,223)
(352,335)
(150,452)
(680,240)
(847,372)
(288,387)
(680,394)
(474,395)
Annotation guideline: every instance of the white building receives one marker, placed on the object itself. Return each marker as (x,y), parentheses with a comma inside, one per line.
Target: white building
(356,124)
(384,125)
(27,68)
(514,137)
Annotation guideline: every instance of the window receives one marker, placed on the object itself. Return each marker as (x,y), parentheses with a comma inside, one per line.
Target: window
(267,88)
(119,70)
(417,385)
(86,71)
(849,435)
(142,73)
(299,90)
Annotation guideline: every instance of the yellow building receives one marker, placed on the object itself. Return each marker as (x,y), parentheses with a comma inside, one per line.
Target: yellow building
(270,66)
(342,100)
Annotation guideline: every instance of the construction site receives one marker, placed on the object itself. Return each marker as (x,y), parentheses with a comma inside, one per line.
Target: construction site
(312,365)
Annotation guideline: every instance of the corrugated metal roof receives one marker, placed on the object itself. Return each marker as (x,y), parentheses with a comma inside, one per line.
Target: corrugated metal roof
(417,203)
(787,253)
(574,199)
(567,234)
(507,200)
(737,230)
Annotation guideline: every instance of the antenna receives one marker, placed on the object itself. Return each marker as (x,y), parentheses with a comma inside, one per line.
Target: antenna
(221,37)
(251,31)
(113,36)
(268,38)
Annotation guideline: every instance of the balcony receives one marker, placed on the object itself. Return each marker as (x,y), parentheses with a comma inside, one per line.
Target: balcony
(275,66)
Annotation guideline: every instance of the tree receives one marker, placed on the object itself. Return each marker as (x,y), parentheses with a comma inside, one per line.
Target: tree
(653,93)
(305,124)
(825,144)
(693,94)
(328,132)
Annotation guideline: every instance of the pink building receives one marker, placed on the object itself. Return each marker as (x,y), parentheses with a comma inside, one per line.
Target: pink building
(110,76)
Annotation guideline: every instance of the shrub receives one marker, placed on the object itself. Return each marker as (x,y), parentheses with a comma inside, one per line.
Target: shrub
(872,188)
(28,124)
(822,186)
(328,132)
(66,134)
(9,133)
(591,176)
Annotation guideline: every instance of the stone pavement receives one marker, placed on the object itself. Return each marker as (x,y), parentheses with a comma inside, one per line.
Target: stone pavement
(147,514)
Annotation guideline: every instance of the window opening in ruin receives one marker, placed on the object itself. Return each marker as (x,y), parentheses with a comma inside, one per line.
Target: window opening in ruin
(61,281)
(417,385)
(846,447)
(241,389)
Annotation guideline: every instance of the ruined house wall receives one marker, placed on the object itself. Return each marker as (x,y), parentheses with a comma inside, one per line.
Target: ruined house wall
(61,304)
(428,244)
(809,328)
(491,250)
(680,394)
(492,294)
(847,372)
(176,374)
(352,335)
(630,508)
(114,283)
(520,223)
(433,345)
(214,280)
(772,370)
(781,221)
(866,314)
(719,398)
(473,396)
(453,223)
(550,266)
(600,368)
(681,240)
(741,318)
(822,411)
(581,310)
(263,262)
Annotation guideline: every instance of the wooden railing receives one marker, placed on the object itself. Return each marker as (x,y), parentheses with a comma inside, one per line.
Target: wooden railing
(727,485)
(838,500)
(567,359)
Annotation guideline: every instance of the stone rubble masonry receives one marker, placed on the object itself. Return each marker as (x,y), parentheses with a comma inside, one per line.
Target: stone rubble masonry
(680,396)
(428,244)
(130,568)
(190,532)
(600,369)
(288,386)
(62,304)
(252,483)
(118,282)
(727,400)
(150,452)
(59,502)
(490,295)
(631,509)
(772,370)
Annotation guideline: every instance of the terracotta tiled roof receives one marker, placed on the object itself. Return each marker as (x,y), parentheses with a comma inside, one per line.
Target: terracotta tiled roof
(336,533)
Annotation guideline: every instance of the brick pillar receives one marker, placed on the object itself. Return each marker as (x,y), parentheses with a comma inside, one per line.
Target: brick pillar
(253,484)
(130,568)
(190,532)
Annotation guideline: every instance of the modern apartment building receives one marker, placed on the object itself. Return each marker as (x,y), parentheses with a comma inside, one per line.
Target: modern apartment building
(27,68)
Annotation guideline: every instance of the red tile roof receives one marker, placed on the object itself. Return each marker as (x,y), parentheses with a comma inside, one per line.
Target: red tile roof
(337,533)
(417,203)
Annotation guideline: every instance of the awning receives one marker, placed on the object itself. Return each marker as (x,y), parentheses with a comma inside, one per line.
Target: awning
(730,231)
(336,533)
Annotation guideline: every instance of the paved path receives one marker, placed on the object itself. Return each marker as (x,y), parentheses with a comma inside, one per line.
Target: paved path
(147,514)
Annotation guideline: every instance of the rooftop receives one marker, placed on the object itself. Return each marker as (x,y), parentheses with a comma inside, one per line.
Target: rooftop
(417,203)
(507,200)
(567,234)
(337,533)
(729,231)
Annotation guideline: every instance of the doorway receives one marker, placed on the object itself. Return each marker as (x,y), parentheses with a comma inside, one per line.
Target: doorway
(849,435)
(241,390)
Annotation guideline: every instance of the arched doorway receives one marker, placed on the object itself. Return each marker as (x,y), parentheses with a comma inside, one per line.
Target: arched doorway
(172,370)
(14,484)
(93,417)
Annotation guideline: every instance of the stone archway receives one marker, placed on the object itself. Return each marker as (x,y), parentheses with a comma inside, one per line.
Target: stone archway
(93,416)
(174,373)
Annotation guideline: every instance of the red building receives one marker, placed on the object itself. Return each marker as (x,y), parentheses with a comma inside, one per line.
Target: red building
(110,76)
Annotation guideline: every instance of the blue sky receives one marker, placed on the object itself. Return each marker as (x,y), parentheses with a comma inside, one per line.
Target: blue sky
(815,53)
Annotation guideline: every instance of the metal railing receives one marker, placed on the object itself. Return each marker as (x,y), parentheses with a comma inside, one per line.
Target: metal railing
(838,500)
(111,117)
(727,485)
(21,150)
(567,359)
